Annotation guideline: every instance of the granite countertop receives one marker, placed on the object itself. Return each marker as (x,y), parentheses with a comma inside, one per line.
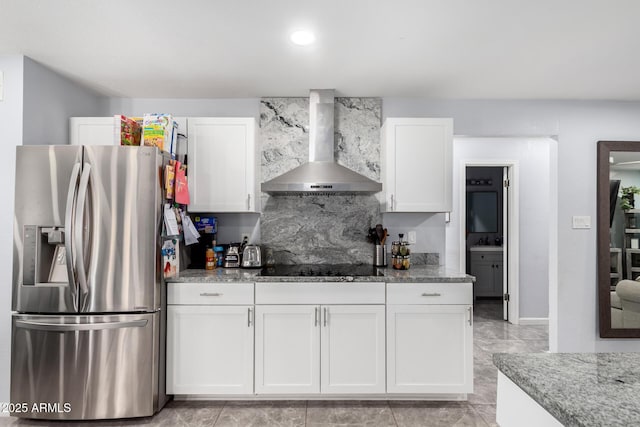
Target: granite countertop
(415,274)
(579,389)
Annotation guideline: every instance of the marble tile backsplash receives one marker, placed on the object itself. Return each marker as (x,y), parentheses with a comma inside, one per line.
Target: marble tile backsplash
(319,229)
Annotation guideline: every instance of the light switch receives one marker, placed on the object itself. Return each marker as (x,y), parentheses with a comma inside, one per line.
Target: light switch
(581,222)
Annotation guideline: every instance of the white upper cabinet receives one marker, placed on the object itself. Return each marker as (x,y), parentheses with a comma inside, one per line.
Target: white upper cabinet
(223,163)
(416,160)
(92,131)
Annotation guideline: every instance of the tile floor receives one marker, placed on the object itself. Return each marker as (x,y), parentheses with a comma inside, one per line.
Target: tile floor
(491,334)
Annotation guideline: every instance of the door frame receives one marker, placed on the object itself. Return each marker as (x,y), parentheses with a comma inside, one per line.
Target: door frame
(513,236)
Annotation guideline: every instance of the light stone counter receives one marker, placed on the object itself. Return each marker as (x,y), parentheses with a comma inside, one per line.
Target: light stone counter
(416,274)
(579,389)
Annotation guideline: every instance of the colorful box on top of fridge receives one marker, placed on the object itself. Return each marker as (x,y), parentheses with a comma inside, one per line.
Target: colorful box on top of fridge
(128,130)
(160,130)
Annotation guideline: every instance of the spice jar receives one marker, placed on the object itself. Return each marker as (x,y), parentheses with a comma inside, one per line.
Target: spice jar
(395,248)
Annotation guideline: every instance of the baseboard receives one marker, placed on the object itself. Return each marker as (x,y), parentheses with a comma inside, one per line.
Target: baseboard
(544,321)
(320,397)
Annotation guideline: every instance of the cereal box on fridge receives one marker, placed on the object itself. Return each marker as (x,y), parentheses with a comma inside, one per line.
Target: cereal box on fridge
(159,130)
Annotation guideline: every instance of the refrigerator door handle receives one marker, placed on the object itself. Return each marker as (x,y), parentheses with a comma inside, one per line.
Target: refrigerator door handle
(78,228)
(72,327)
(68,229)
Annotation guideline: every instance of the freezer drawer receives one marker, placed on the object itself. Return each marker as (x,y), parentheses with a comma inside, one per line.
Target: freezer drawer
(102,366)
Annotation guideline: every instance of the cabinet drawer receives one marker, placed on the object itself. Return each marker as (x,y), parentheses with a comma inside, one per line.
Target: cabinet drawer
(486,256)
(319,293)
(429,293)
(209,293)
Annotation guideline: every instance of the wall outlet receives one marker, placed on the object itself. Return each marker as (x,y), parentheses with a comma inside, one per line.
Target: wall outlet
(412,237)
(581,222)
(244,236)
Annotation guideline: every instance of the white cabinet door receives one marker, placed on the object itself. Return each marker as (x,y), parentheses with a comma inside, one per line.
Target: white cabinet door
(429,349)
(222,164)
(417,164)
(92,131)
(287,349)
(353,349)
(209,349)
(483,272)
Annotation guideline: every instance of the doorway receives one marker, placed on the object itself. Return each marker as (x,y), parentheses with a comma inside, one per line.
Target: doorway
(485,231)
(489,235)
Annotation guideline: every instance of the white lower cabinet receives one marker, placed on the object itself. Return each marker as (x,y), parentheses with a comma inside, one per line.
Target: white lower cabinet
(296,343)
(320,339)
(353,347)
(287,349)
(209,349)
(429,349)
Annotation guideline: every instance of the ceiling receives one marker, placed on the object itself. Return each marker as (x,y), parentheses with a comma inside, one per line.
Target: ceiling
(446,49)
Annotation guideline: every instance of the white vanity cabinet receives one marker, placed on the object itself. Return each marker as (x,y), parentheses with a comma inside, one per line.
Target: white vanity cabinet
(416,164)
(487,267)
(210,331)
(223,164)
(429,338)
(329,338)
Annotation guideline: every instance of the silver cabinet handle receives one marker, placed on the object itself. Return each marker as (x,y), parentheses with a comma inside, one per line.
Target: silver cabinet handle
(434,294)
(325,316)
(210,294)
(315,317)
(249,317)
(470,316)
(72,327)
(248,202)
(392,202)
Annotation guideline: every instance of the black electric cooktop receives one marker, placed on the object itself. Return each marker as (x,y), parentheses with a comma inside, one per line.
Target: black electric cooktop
(322,270)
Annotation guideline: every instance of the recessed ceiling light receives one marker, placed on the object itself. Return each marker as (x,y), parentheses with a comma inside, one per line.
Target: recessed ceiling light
(302,37)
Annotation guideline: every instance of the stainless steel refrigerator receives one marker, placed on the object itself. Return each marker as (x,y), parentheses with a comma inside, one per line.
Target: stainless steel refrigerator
(88,322)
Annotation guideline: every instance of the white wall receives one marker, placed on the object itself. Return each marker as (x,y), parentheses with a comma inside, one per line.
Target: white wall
(49,100)
(429,228)
(36,108)
(532,156)
(10,137)
(578,125)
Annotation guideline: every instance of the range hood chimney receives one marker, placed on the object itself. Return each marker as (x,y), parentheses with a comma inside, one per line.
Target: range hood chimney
(321,174)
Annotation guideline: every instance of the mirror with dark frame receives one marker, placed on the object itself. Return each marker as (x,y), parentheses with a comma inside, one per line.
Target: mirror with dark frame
(482,212)
(619,238)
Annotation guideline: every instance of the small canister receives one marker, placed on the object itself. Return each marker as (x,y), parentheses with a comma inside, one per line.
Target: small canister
(380,256)
(219,250)
(210,259)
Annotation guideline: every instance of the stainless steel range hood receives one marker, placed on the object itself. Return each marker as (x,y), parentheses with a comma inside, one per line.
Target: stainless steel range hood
(321,174)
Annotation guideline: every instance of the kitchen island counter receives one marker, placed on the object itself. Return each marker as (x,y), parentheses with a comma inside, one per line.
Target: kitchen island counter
(578,389)
(417,274)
